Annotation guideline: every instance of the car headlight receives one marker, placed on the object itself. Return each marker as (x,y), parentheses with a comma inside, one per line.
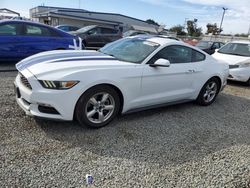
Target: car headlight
(244,64)
(58,84)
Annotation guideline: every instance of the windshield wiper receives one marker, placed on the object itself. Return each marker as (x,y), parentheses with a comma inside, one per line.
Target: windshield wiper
(107,53)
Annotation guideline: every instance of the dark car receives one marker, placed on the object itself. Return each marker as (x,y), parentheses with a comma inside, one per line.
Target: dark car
(209,46)
(20,39)
(67,28)
(94,37)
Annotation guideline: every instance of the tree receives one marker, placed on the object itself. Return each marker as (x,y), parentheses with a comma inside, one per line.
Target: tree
(151,21)
(212,28)
(178,29)
(241,35)
(192,28)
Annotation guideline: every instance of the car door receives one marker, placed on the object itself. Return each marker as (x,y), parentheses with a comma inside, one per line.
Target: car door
(37,39)
(94,38)
(173,83)
(109,35)
(10,45)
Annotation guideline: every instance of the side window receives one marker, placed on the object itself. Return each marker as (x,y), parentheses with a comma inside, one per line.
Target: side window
(9,29)
(108,31)
(197,56)
(64,28)
(33,30)
(216,45)
(72,28)
(94,31)
(175,54)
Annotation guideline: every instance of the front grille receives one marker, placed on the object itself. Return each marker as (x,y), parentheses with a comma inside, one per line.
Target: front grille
(233,66)
(24,81)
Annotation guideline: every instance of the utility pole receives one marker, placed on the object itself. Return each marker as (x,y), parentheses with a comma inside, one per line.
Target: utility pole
(249,30)
(224,10)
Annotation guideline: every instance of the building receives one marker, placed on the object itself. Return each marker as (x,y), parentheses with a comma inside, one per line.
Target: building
(8,14)
(79,17)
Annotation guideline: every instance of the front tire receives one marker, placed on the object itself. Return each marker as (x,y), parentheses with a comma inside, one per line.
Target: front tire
(208,92)
(97,107)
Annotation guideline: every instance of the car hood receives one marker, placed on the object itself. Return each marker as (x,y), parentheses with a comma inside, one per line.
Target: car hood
(230,59)
(68,61)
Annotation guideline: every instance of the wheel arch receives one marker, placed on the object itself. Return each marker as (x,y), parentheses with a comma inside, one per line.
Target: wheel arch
(219,79)
(118,90)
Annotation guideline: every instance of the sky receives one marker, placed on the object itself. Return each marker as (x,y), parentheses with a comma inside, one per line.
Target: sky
(165,12)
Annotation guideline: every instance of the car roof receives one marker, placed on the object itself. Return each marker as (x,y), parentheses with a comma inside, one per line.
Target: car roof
(35,23)
(241,42)
(164,40)
(23,21)
(66,25)
(160,39)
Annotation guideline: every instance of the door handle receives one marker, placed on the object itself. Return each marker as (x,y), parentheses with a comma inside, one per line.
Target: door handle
(191,71)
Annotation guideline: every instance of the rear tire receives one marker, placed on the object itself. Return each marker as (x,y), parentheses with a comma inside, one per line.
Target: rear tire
(97,107)
(248,82)
(208,92)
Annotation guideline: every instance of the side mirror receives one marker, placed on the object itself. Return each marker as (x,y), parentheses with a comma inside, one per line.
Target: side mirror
(161,63)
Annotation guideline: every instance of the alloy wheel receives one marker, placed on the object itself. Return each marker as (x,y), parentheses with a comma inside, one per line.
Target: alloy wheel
(210,91)
(100,107)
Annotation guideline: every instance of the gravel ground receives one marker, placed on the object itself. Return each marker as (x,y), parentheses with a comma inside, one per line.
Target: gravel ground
(178,146)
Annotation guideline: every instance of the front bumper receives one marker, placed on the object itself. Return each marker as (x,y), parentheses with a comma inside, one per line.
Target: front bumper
(239,74)
(45,103)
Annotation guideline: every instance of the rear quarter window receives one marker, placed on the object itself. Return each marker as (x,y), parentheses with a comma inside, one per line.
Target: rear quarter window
(197,56)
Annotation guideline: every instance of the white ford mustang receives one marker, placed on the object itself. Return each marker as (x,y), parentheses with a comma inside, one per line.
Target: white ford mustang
(130,74)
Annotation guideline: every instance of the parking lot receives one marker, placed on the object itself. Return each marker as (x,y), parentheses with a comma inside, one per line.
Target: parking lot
(177,146)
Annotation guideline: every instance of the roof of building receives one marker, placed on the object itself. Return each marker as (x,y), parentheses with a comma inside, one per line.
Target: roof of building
(5,10)
(60,9)
(85,18)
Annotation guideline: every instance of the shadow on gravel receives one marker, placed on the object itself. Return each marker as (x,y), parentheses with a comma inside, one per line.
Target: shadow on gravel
(170,135)
(7,66)
(238,84)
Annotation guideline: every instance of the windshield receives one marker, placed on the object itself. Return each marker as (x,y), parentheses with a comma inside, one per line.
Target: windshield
(84,29)
(128,33)
(204,44)
(133,50)
(236,49)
